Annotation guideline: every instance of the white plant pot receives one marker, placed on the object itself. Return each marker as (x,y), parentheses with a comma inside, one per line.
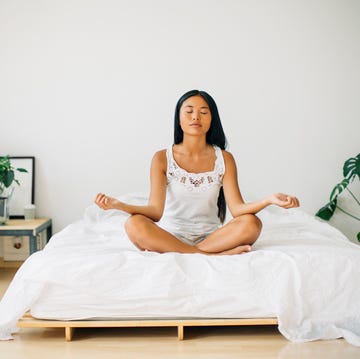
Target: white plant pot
(5,197)
(4,210)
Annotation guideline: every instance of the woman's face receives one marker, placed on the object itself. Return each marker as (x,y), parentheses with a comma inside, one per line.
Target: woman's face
(195,116)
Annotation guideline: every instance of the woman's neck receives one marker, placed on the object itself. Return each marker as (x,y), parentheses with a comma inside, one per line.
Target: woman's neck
(193,145)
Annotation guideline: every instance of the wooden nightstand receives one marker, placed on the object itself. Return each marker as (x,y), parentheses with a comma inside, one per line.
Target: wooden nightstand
(30,228)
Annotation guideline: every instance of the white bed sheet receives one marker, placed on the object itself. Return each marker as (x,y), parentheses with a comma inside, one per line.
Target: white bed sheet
(301,270)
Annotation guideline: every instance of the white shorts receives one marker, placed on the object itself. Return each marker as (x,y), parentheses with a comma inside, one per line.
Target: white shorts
(186,237)
(191,239)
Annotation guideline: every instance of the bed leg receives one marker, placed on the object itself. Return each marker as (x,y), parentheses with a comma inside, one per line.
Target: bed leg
(69,332)
(180,332)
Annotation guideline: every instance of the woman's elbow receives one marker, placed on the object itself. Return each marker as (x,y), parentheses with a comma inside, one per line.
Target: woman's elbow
(156,216)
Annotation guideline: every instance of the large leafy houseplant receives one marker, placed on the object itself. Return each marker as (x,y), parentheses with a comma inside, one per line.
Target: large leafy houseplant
(351,170)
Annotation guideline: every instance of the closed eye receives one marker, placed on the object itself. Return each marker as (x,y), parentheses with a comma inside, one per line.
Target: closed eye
(203,113)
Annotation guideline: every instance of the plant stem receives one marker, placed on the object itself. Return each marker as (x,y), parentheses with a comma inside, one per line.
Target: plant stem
(353,196)
(349,214)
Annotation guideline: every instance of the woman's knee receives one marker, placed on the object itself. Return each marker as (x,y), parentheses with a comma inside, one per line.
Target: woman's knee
(255,222)
(135,227)
(252,224)
(132,223)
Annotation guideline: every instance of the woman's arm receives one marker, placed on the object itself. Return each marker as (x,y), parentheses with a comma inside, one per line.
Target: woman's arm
(234,199)
(155,207)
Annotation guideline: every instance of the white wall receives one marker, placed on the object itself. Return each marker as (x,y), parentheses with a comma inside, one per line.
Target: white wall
(89,89)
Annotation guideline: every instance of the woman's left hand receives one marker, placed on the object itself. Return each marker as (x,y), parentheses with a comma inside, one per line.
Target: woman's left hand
(105,202)
(284,200)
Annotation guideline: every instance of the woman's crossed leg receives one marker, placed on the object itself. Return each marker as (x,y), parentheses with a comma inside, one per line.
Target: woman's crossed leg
(235,237)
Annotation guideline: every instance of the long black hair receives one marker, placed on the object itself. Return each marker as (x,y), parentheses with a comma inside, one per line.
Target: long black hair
(215,135)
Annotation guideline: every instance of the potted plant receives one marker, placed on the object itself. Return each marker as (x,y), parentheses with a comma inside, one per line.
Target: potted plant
(351,170)
(7,178)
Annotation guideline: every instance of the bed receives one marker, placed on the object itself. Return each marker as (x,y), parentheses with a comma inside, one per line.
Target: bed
(302,275)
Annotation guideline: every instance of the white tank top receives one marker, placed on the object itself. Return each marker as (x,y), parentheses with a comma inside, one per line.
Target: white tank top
(191,200)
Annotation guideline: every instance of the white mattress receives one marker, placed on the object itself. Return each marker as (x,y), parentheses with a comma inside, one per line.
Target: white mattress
(301,270)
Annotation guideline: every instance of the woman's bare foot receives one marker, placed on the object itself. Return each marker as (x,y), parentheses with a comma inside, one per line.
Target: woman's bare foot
(237,250)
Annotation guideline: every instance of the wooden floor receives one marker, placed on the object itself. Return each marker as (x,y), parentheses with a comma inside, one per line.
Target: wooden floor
(144,343)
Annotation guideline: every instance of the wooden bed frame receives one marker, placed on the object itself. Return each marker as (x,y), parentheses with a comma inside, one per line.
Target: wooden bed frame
(27,321)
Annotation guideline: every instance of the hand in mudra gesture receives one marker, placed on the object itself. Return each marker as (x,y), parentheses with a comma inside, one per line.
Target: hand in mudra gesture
(284,200)
(105,202)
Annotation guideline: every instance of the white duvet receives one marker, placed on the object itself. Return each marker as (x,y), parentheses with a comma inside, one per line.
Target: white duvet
(301,270)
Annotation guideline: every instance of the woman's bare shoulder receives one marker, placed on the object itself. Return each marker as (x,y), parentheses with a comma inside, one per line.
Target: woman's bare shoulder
(160,158)
(229,161)
(228,156)
(160,155)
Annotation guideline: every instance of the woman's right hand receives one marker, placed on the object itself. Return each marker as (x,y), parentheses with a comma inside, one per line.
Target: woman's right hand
(106,202)
(284,200)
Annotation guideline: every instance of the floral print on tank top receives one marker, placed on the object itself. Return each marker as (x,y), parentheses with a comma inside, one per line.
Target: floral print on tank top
(196,181)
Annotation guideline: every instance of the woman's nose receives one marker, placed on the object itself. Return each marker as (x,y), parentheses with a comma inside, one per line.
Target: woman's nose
(195,116)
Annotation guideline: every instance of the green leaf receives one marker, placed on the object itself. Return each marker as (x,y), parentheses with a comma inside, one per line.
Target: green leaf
(327,211)
(352,167)
(22,170)
(5,164)
(358,236)
(4,159)
(339,188)
(8,178)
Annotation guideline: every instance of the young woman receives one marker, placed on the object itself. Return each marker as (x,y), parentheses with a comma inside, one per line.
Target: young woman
(189,184)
